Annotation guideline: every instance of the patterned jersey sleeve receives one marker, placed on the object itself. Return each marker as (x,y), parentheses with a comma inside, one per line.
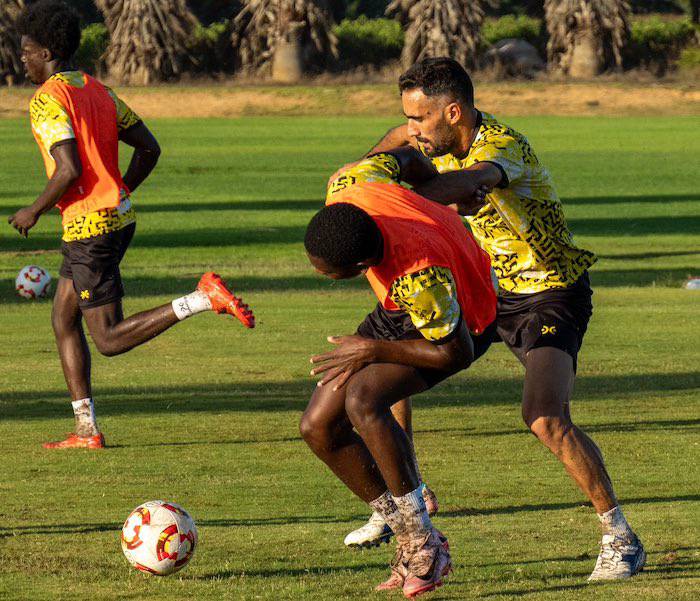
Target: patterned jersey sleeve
(126,117)
(429,296)
(507,152)
(50,121)
(379,168)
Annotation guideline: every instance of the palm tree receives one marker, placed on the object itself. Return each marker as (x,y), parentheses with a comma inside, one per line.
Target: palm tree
(149,39)
(283,38)
(586,37)
(10,63)
(445,28)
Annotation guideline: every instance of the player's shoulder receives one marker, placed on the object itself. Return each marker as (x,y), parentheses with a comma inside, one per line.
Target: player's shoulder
(379,168)
(493,130)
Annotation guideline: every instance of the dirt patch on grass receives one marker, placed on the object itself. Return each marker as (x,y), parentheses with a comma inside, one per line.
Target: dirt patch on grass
(531,98)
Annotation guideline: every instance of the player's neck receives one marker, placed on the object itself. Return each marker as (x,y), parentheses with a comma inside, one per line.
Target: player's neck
(57,66)
(467,130)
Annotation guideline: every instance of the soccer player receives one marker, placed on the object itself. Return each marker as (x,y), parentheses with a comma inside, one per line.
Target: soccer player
(436,310)
(78,123)
(544,300)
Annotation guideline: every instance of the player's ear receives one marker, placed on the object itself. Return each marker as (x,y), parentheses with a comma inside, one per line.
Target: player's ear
(453,113)
(46,55)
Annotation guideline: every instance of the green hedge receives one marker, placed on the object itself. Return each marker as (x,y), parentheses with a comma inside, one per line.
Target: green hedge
(511,26)
(93,44)
(657,42)
(208,47)
(363,40)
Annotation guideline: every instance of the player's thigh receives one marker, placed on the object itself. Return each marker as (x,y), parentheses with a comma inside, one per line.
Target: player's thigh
(380,385)
(65,312)
(101,319)
(549,377)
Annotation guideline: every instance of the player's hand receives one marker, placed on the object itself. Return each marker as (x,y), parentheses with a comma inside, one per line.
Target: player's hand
(470,208)
(351,354)
(342,170)
(23,220)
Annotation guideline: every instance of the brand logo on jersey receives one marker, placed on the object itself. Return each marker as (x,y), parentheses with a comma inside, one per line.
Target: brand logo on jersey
(549,330)
(85,295)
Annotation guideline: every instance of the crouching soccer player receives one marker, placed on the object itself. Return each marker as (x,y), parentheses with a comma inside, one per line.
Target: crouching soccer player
(78,123)
(436,309)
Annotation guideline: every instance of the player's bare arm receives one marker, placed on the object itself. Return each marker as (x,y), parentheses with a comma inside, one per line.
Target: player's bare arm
(68,170)
(352,353)
(145,157)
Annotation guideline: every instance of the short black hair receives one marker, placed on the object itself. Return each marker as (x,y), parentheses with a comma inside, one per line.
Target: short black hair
(342,235)
(52,24)
(438,76)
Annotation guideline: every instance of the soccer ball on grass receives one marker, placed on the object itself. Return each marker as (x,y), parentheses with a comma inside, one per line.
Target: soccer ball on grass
(33,282)
(159,538)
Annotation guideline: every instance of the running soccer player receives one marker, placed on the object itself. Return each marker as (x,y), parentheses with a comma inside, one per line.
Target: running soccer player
(435,314)
(78,123)
(544,300)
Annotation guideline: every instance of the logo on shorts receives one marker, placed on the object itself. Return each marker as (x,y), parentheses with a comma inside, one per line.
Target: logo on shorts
(85,295)
(549,330)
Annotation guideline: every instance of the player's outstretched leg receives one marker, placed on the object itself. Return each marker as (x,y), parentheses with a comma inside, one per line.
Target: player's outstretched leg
(113,335)
(376,531)
(548,385)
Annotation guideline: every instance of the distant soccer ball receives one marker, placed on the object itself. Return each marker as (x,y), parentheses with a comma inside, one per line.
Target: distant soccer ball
(159,538)
(33,282)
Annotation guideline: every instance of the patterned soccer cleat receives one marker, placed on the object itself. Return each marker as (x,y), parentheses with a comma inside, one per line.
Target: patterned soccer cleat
(223,300)
(375,532)
(431,502)
(399,567)
(619,558)
(78,442)
(427,564)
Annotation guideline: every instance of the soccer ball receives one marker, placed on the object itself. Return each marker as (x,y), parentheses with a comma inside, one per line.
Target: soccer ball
(159,538)
(33,282)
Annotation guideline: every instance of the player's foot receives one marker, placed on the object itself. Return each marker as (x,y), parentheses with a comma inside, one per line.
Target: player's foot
(431,502)
(619,558)
(375,532)
(428,562)
(78,442)
(223,300)
(399,569)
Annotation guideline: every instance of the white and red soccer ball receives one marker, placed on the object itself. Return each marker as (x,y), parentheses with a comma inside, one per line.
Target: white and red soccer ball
(159,538)
(33,282)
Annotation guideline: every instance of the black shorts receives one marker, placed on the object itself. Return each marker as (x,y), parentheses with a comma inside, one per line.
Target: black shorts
(93,265)
(382,324)
(556,318)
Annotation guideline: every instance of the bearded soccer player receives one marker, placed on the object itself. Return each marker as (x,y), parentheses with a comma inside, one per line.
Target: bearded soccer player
(544,300)
(78,123)
(436,310)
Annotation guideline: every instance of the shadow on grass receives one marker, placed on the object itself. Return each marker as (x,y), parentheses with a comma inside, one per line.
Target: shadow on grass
(643,199)
(228,236)
(512,509)
(293,395)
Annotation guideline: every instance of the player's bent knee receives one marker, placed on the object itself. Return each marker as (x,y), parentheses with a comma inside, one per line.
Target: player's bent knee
(360,404)
(550,430)
(106,347)
(315,431)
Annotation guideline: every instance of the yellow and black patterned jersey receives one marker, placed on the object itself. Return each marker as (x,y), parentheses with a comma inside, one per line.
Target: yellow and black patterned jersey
(522,225)
(50,119)
(379,168)
(429,296)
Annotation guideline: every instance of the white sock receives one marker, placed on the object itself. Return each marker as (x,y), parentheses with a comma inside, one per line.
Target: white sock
(84,410)
(191,304)
(414,513)
(386,507)
(615,523)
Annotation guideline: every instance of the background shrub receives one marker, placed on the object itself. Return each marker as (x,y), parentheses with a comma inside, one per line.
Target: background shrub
(364,40)
(655,42)
(511,26)
(93,44)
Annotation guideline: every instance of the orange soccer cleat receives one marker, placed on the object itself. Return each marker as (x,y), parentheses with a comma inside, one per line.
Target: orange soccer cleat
(223,300)
(78,442)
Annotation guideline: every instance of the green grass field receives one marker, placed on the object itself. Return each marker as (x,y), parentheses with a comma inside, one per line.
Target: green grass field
(206,415)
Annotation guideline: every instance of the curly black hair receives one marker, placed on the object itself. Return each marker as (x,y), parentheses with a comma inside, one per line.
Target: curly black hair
(343,235)
(437,76)
(52,24)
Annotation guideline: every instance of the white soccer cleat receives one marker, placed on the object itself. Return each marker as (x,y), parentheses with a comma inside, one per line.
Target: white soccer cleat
(375,532)
(619,558)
